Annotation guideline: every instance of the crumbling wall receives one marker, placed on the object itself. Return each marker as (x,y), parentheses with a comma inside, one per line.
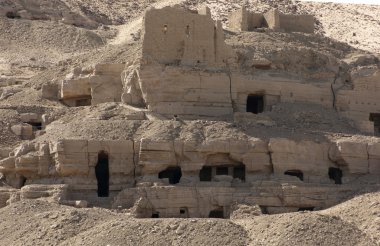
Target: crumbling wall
(244,20)
(75,89)
(99,85)
(272,19)
(238,20)
(106,84)
(359,102)
(176,36)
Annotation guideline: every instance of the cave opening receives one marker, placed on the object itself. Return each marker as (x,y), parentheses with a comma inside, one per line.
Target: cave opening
(239,172)
(12,15)
(295,173)
(336,174)
(174,174)
(375,118)
(102,174)
(217,213)
(155,215)
(37,126)
(255,104)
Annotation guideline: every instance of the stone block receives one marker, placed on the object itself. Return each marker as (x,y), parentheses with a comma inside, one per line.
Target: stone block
(29,117)
(120,146)
(27,164)
(114,69)
(75,88)
(74,146)
(374,166)
(257,162)
(152,145)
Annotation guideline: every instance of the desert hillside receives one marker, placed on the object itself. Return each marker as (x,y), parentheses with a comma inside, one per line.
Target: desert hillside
(300,168)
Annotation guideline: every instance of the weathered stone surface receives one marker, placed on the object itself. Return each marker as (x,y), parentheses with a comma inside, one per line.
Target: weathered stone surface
(244,20)
(183,37)
(353,155)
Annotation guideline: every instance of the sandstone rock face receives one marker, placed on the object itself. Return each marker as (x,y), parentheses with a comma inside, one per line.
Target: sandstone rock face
(309,157)
(23,130)
(185,177)
(74,90)
(106,85)
(83,88)
(181,91)
(187,71)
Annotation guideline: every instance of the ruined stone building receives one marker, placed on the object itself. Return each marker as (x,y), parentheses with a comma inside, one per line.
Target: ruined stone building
(188,72)
(244,20)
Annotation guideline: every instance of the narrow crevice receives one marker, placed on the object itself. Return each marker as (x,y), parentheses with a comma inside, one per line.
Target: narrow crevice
(134,163)
(334,96)
(232,101)
(271,162)
(368,167)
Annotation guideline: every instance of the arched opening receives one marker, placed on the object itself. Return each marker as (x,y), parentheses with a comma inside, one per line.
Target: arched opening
(165,29)
(336,174)
(174,174)
(217,213)
(102,174)
(295,173)
(255,104)
(12,15)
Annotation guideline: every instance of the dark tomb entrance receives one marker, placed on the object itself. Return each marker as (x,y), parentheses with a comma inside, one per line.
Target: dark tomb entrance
(375,118)
(12,15)
(205,174)
(37,126)
(295,173)
(102,174)
(239,172)
(217,213)
(255,104)
(221,170)
(174,175)
(336,174)
(155,215)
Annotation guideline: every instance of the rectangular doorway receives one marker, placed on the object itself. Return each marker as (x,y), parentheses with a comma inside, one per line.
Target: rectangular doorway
(255,104)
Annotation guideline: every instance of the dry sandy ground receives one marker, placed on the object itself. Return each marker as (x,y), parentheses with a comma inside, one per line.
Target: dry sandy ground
(38,222)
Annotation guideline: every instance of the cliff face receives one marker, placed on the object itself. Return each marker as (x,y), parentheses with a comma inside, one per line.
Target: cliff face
(183,113)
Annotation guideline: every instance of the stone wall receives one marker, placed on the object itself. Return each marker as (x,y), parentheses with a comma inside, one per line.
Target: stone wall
(297,23)
(176,36)
(102,84)
(190,93)
(243,20)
